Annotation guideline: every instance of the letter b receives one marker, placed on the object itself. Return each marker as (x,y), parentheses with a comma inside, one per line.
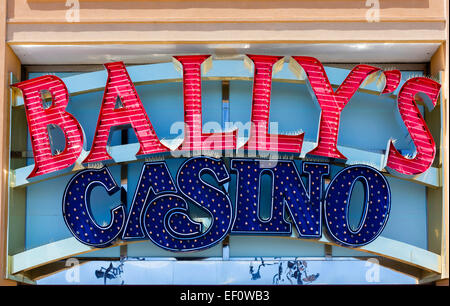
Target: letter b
(40,118)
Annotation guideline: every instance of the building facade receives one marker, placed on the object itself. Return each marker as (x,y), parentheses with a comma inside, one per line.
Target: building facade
(205,68)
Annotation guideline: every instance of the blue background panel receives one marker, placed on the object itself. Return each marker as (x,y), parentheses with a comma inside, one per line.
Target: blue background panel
(256,246)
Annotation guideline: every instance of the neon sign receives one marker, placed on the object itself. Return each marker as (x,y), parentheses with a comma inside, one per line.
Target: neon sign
(160,211)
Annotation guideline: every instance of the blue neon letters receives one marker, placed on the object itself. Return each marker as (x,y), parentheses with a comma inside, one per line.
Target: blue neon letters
(377,204)
(160,209)
(303,207)
(77,209)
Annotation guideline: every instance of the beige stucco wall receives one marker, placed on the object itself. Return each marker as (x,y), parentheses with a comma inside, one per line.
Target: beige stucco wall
(33,21)
(8,63)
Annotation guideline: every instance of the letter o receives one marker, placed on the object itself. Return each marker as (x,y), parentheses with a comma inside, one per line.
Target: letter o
(377,204)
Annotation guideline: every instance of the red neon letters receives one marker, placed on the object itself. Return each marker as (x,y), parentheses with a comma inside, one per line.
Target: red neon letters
(260,139)
(417,128)
(194,139)
(39,120)
(332,103)
(119,85)
(132,112)
(393,78)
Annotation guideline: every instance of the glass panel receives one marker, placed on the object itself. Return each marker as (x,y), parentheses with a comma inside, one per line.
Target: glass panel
(259,271)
